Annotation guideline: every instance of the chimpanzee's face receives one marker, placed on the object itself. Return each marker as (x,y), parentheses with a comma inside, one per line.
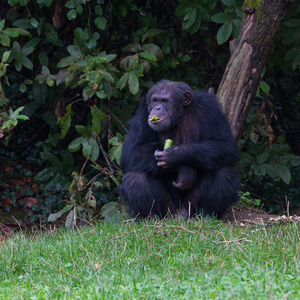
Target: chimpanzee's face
(166,107)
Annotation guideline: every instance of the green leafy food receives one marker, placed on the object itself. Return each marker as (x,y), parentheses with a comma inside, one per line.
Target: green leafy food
(168,144)
(154,118)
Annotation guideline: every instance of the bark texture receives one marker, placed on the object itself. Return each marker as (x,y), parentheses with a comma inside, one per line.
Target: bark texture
(261,22)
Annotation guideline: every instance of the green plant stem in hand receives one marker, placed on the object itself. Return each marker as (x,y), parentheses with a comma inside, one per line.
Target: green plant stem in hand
(168,144)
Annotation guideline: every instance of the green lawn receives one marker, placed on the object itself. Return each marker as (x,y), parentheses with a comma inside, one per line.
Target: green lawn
(168,259)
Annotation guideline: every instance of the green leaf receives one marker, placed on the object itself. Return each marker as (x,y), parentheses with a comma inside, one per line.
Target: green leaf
(4,40)
(135,47)
(260,159)
(5,56)
(151,48)
(107,87)
(272,170)
(281,139)
(183,9)
(133,83)
(74,146)
(23,87)
(26,63)
(236,28)
(23,23)
(91,200)
(123,80)
(71,219)
(46,3)
(98,10)
(239,12)
(94,149)
(292,23)
(28,81)
(45,175)
(113,212)
(2,23)
(229,2)
(260,170)
(96,123)
(79,9)
(49,118)
(67,163)
(74,51)
(116,150)
(147,55)
(43,58)
(54,217)
(221,18)
(202,12)
(17,111)
(151,33)
(224,32)
(65,121)
(284,174)
(97,112)
(295,160)
(50,81)
(107,76)
(254,137)
(91,44)
(22,31)
(45,70)
(109,58)
(86,148)
(83,130)
(100,22)
(11,32)
(34,22)
(52,158)
(195,27)
(72,14)
(264,86)
(32,43)
(186,58)
(189,19)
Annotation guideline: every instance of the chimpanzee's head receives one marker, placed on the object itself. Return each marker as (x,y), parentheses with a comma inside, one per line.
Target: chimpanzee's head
(166,102)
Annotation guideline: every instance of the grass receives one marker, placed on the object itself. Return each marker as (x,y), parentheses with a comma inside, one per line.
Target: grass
(168,259)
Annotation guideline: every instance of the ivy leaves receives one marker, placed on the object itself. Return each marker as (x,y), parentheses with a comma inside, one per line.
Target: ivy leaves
(229,27)
(87,140)
(195,11)
(136,64)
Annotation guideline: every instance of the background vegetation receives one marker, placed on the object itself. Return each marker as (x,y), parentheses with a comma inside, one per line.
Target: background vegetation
(72,73)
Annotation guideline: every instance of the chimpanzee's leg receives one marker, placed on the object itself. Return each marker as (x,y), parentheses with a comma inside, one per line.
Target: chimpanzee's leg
(212,194)
(146,195)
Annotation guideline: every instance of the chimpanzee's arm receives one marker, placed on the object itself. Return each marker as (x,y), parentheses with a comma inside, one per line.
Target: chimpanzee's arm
(139,145)
(210,155)
(214,147)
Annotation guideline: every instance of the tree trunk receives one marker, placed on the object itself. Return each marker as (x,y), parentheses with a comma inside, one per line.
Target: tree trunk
(261,22)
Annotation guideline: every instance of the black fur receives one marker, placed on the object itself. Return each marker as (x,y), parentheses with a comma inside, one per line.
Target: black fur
(196,174)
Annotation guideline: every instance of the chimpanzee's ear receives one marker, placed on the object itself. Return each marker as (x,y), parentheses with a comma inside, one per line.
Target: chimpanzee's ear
(187,98)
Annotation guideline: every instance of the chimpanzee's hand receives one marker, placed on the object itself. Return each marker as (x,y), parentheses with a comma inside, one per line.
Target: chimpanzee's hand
(166,158)
(186,178)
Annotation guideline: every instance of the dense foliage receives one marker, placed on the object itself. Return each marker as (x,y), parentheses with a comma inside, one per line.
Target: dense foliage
(77,69)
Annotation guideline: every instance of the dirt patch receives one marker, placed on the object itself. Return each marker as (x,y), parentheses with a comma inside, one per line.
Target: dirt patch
(243,216)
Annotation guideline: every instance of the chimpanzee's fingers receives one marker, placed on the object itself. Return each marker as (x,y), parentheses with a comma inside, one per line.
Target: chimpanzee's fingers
(163,164)
(158,153)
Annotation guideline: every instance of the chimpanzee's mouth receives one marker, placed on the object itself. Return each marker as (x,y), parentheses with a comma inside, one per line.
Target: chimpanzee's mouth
(156,121)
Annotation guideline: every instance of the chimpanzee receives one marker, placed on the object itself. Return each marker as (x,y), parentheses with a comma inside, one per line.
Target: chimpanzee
(196,174)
